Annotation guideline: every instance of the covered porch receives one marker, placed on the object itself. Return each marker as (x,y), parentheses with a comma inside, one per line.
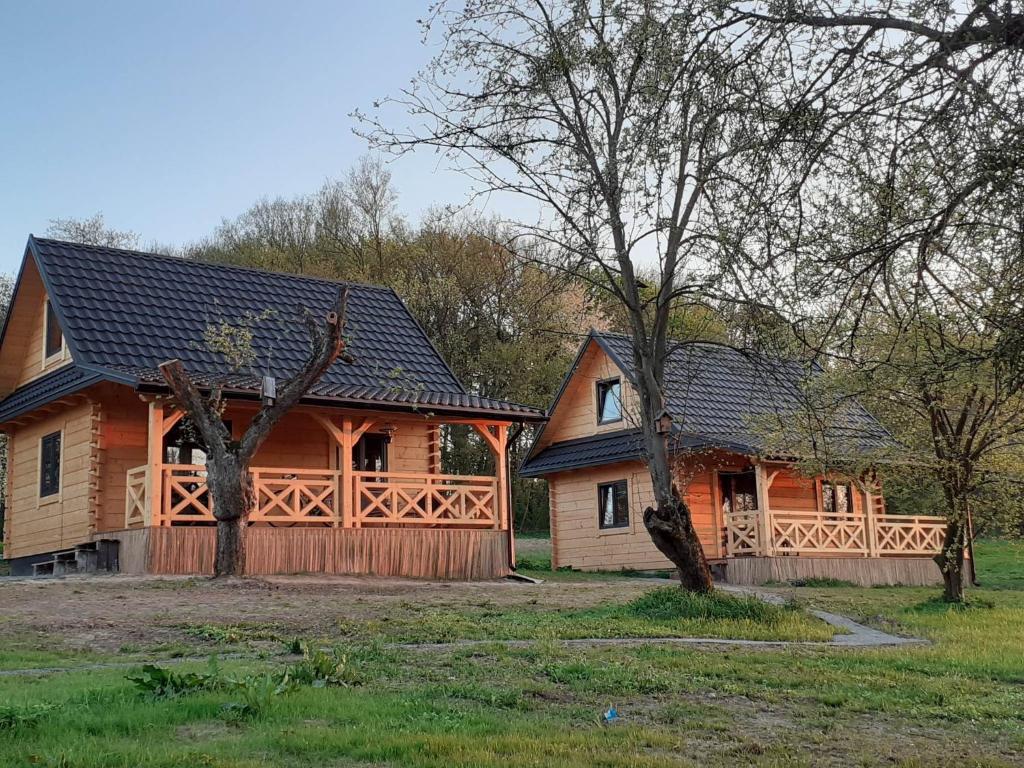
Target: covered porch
(337,491)
(359,491)
(860,528)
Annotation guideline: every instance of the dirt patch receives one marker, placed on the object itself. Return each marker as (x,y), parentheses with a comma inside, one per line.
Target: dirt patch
(718,729)
(112,613)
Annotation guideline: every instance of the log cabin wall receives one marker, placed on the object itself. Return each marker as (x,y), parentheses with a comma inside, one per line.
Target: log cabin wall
(577,538)
(42,524)
(124,447)
(300,441)
(794,492)
(581,543)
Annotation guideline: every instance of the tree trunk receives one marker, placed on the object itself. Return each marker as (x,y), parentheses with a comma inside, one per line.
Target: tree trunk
(233,497)
(230,556)
(671,529)
(951,562)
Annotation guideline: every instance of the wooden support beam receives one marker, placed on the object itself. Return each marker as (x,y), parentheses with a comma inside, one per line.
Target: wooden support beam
(484,430)
(332,429)
(358,432)
(501,470)
(342,437)
(155,442)
(172,418)
(764,510)
(346,493)
(870,524)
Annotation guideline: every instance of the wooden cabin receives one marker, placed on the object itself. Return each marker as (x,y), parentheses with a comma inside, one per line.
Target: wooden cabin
(758,518)
(351,481)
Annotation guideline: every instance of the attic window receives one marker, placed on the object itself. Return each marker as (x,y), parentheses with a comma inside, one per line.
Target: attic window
(609,401)
(54,336)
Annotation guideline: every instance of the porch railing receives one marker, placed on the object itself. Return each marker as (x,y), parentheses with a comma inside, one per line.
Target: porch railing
(790,532)
(812,532)
(415,499)
(136,498)
(909,535)
(296,496)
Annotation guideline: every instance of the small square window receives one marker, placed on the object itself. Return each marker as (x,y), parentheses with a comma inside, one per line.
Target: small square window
(609,401)
(836,498)
(49,465)
(613,505)
(54,336)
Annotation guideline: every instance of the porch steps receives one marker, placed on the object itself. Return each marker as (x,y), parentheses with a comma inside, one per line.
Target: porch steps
(89,557)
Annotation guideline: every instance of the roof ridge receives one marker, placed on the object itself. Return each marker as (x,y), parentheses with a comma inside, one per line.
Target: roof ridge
(207,264)
(744,351)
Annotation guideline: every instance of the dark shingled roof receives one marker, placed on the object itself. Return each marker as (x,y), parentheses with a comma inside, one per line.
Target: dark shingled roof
(595,450)
(125,312)
(726,398)
(64,381)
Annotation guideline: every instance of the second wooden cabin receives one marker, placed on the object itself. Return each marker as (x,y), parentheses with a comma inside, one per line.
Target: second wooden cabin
(758,517)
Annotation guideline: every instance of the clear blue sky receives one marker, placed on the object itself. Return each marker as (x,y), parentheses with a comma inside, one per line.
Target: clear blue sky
(168,116)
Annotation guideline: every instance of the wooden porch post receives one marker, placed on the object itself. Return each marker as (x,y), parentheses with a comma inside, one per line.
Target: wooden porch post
(764,512)
(155,443)
(498,441)
(347,492)
(869,522)
(344,439)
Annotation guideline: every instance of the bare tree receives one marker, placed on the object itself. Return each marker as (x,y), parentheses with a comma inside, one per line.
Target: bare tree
(228,460)
(92,231)
(623,122)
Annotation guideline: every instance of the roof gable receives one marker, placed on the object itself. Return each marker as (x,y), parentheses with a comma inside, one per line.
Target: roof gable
(718,397)
(125,312)
(22,337)
(732,396)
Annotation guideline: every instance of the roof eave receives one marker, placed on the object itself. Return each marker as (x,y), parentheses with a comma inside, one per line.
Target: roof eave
(376,405)
(31,405)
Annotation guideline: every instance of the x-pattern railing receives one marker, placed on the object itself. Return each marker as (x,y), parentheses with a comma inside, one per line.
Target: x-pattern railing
(136,511)
(296,496)
(742,536)
(423,499)
(897,534)
(815,532)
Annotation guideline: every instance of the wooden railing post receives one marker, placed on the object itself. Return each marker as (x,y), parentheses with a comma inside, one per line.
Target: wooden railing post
(764,511)
(155,444)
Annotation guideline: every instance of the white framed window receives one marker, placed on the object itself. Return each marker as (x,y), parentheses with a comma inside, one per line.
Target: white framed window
(609,401)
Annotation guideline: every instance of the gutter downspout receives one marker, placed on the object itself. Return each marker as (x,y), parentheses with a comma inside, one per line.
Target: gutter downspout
(508,493)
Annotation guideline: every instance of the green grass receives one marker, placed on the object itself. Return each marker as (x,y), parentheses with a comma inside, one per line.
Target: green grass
(957,701)
(39,651)
(663,612)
